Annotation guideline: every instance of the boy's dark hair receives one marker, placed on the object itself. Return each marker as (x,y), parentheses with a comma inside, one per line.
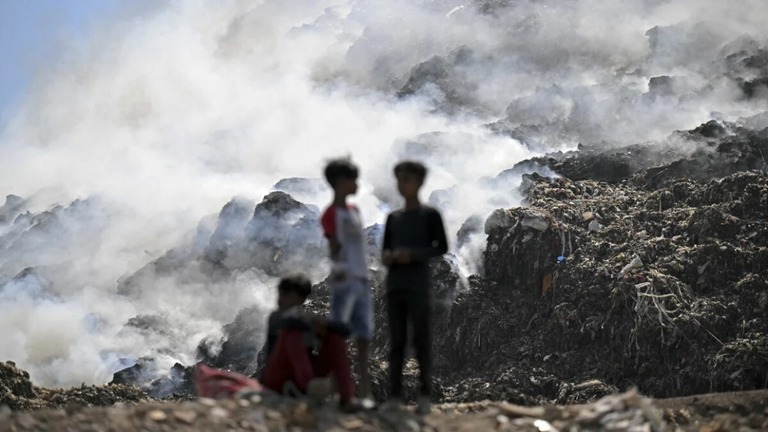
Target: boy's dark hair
(297,283)
(339,169)
(414,168)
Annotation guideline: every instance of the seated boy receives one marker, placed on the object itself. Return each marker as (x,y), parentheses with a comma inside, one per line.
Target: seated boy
(292,337)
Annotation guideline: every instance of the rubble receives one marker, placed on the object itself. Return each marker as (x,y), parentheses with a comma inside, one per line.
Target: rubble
(626,412)
(277,236)
(238,347)
(441,78)
(584,290)
(664,278)
(18,393)
(15,386)
(713,150)
(567,313)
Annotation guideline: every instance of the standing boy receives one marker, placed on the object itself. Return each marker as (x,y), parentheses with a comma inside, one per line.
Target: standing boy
(350,291)
(293,335)
(412,236)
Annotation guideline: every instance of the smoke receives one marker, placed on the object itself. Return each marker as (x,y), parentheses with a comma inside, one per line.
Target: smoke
(167,113)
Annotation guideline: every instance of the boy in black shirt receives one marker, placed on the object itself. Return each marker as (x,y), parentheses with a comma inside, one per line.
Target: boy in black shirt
(412,236)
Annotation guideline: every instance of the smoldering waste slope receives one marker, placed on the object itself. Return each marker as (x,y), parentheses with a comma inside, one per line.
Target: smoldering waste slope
(591,288)
(653,280)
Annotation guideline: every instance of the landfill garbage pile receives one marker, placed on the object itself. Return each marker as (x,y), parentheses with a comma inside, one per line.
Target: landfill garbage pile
(591,288)
(239,348)
(277,236)
(664,289)
(18,393)
(177,383)
(714,149)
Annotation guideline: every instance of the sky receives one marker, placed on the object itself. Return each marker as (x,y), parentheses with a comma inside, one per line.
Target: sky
(32,31)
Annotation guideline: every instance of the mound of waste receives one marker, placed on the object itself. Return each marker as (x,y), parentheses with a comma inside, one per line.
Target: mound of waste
(276,236)
(641,267)
(590,289)
(18,393)
(712,150)
(664,289)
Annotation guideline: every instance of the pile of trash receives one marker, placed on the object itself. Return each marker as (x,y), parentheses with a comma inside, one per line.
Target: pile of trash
(15,386)
(662,289)
(275,236)
(18,393)
(643,266)
(589,289)
(713,150)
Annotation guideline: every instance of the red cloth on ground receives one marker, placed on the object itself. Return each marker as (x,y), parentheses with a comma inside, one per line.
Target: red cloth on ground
(291,361)
(219,384)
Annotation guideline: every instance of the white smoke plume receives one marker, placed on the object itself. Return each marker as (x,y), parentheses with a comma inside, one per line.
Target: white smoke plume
(169,112)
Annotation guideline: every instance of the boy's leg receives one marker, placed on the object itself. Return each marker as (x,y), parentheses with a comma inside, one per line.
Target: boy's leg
(362,327)
(342,301)
(334,359)
(419,311)
(397,312)
(364,389)
(289,362)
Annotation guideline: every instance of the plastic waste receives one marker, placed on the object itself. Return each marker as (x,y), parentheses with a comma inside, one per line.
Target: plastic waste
(635,263)
(594,226)
(544,426)
(535,222)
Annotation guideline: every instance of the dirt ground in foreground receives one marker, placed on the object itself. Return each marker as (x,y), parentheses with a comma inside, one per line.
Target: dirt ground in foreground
(739,411)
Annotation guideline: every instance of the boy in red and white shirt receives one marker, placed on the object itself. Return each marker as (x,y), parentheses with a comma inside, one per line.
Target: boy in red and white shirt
(349,285)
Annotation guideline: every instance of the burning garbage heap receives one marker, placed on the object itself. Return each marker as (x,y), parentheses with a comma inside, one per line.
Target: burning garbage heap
(18,393)
(590,288)
(650,277)
(664,289)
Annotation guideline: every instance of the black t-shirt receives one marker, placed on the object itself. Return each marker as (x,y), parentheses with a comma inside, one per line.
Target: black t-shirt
(421,231)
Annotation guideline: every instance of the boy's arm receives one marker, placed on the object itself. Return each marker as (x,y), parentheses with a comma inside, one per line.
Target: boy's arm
(334,248)
(330,223)
(438,242)
(386,247)
(273,328)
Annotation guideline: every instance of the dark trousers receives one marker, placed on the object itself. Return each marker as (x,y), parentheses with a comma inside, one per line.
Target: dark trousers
(412,306)
(290,361)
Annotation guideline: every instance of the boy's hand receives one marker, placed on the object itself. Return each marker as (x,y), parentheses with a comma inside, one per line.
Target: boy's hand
(387,258)
(320,326)
(338,273)
(403,256)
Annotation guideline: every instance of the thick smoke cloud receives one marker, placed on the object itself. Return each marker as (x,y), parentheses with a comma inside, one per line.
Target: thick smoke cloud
(158,121)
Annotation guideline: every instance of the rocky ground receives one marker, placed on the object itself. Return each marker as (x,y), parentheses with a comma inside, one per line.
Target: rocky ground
(744,411)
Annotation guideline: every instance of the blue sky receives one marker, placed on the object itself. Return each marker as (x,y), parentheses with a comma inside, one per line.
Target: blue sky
(32,31)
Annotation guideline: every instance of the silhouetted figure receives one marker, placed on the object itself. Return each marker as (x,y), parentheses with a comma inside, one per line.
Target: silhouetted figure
(412,236)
